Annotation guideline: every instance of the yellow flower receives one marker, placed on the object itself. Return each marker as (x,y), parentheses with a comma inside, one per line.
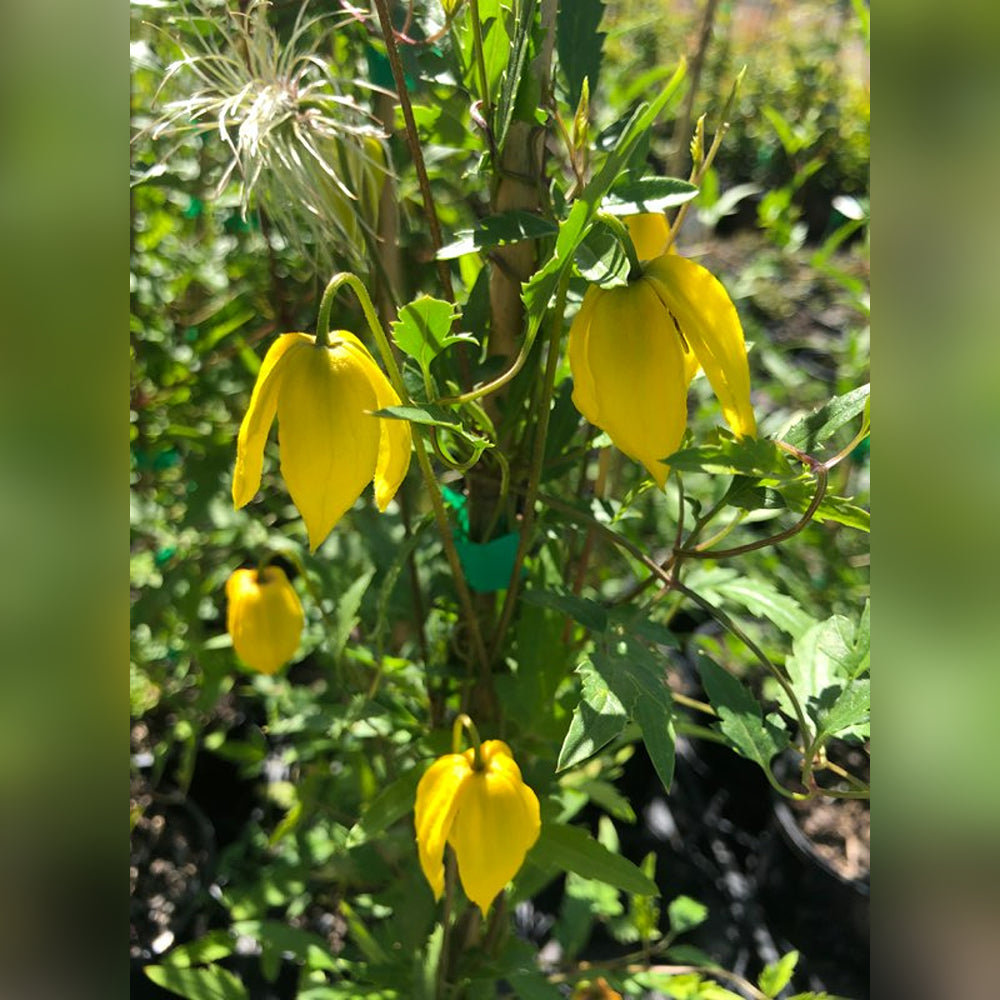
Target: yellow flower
(264,617)
(634,350)
(489,816)
(649,233)
(330,444)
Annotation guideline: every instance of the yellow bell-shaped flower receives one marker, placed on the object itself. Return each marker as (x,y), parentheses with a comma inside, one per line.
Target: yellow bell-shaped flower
(488,815)
(634,350)
(264,617)
(330,444)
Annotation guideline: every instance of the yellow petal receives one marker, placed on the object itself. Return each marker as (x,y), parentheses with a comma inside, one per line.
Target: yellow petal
(639,374)
(650,233)
(395,439)
(264,618)
(438,798)
(710,324)
(584,391)
(258,419)
(495,825)
(328,444)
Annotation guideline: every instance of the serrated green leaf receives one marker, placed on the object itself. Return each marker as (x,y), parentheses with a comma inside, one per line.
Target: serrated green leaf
(637,678)
(813,430)
(597,720)
(761,598)
(588,613)
(574,850)
(208,982)
(345,613)
(579,45)
(757,458)
(686,913)
(513,75)
(777,975)
(498,230)
(391,804)
(423,329)
(648,194)
(740,717)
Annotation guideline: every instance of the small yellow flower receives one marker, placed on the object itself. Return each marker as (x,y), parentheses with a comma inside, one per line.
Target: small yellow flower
(264,617)
(489,816)
(330,444)
(634,350)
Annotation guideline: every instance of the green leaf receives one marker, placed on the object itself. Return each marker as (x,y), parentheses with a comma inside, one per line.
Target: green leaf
(601,258)
(777,975)
(423,329)
(574,850)
(511,82)
(637,677)
(579,45)
(346,612)
(816,428)
(391,804)
(740,717)
(758,458)
(588,613)
(209,982)
(825,669)
(686,913)
(209,948)
(498,230)
(597,720)
(648,194)
(433,416)
(761,598)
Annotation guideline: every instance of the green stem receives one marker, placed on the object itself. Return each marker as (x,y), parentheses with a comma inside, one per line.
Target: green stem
(621,231)
(703,552)
(461,722)
(440,514)
(413,141)
(538,458)
(477,46)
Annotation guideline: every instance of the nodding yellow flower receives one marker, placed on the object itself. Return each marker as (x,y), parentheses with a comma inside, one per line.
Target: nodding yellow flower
(634,350)
(330,444)
(488,815)
(264,617)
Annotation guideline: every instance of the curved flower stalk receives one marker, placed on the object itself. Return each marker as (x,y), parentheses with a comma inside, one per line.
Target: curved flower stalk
(330,443)
(477,802)
(634,350)
(264,617)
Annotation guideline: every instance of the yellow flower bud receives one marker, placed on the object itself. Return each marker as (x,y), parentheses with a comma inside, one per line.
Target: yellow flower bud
(330,444)
(489,816)
(264,617)
(634,350)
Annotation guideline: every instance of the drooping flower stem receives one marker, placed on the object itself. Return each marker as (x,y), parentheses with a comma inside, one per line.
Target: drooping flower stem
(621,231)
(461,722)
(396,378)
